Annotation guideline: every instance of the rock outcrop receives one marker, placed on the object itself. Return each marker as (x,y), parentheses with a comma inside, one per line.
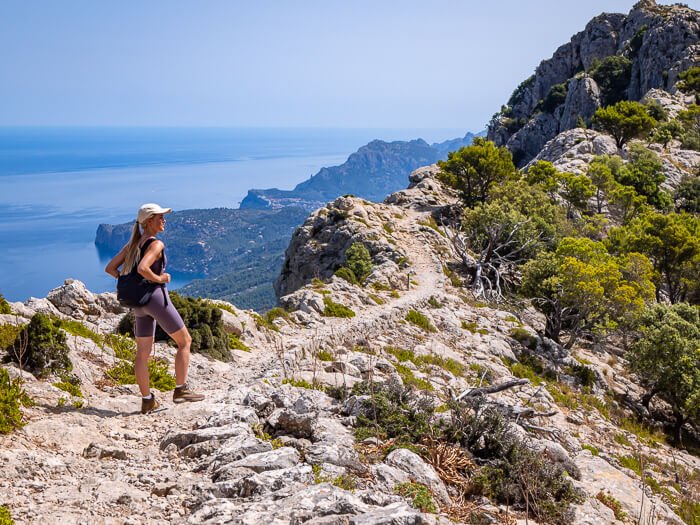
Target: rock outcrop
(660,41)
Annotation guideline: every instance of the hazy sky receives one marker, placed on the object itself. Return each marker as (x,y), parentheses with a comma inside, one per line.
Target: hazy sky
(327,63)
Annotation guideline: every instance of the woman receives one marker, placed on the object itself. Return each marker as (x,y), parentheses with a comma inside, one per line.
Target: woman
(145,251)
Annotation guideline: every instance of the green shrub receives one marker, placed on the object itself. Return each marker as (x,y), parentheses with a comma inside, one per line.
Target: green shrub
(471,326)
(452,276)
(593,450)
(613,75)
(344,481)
(409,378)
(449,364)
(358,260)
(483,374)
(346,273)
(584,374)
(420,320)
(274,313)
(46,349)
(630,462)
(261,322)
(226,307)
(302,383)
(401,354)
(234,343)
(11,397)
(645,433)
(387,228)
(123,372)
(434,302)
(8,335)
(4,306)
(69,387)
(419,495)
(325,355)
(380,287)
(394,294)
(203,321)
(394,411)
(336,309)
(5,518)
(511,470)
(524,337)
(79,329)
(376,298)
(554,98)
(657,111)
(689,511)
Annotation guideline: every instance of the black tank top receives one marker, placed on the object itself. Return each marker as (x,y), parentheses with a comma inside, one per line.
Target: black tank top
(159,265)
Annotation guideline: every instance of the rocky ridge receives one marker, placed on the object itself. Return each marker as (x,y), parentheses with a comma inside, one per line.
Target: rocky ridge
(661,42)
(263,448)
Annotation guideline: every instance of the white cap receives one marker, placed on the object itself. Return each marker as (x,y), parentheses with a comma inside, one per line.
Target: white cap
(149,210)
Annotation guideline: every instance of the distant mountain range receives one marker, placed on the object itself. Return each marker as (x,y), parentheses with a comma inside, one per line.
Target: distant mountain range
(372,172)
(241,251)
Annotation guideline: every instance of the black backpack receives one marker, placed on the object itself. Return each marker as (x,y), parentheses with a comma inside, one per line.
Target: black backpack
(133,289)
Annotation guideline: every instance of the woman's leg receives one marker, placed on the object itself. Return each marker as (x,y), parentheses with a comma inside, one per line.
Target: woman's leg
(144,345)
(182,358)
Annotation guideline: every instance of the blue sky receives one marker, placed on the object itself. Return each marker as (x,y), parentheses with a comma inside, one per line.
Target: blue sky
(417,64)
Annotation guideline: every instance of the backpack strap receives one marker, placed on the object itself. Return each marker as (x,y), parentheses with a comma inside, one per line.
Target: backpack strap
(145,245)
(143,248)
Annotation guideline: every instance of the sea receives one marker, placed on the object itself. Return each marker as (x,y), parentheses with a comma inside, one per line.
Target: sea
(57,184)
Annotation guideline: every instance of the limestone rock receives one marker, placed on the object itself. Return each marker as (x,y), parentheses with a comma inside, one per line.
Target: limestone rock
(231,323)
(572,150)
(394,514)
(182,438)
(42,306)
(412,464)
(298,425)
(95,450)
(582,100)
(280,458)
(598,475)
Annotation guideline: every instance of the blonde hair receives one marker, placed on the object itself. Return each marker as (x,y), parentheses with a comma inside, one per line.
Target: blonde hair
(132,250)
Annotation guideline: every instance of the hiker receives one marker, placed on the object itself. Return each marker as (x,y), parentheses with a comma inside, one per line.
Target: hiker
(144,250)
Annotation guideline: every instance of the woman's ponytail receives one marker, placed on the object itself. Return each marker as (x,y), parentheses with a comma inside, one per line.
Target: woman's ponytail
(132,250)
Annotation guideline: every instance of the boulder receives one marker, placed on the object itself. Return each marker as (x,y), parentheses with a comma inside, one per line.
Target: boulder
(394,514)
(280,458)
(182,438)
(231,323)
(412,464)
(597,475)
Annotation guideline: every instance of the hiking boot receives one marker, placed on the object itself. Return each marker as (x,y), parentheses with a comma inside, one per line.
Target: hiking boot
(183,394)
(149,405)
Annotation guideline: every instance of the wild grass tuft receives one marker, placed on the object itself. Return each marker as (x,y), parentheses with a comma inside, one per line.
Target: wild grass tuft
(420,321)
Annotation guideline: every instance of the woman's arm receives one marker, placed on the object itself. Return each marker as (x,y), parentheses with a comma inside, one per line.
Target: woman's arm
(153,252)
(112,267)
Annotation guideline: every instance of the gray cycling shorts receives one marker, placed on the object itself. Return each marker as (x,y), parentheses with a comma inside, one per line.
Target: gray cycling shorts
(156,311)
